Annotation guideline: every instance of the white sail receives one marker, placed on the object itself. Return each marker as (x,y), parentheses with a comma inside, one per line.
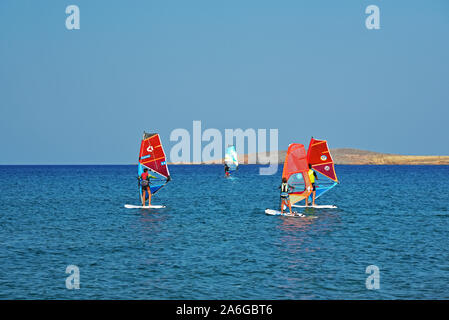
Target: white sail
(231,158)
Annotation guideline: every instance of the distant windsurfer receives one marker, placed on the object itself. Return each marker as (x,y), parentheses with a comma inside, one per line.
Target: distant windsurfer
(145,184)
(312,177)
(226,168)
(285,198)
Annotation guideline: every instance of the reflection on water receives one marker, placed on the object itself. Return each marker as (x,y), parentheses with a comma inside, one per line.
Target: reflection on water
(152,219)
(316,222)
(300,238)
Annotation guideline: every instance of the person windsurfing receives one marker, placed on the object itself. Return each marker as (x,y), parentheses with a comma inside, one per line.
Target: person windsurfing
(312,177)
(285,198)
(145,184)
(226,168)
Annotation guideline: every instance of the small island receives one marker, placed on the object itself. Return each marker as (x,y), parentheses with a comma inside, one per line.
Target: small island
(351,156)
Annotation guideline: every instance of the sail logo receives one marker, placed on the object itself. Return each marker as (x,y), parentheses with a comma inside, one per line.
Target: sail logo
(323,158)
(327,168)
(150,148)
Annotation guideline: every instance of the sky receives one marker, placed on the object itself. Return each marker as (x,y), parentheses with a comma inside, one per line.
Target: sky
(306,68)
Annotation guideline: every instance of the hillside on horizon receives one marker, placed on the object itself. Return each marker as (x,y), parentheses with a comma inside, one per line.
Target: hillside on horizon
(349,156)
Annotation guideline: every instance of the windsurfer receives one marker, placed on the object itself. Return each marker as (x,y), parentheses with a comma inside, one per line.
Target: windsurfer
(312,177)
(145,184)
(226,170)
(285,198)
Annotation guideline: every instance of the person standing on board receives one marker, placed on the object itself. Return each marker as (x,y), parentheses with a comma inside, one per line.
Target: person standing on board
(226,170)
(285,198)
(312,177)
(145,184)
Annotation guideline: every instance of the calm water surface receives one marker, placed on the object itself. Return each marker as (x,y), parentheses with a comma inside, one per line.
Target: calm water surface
(213,241)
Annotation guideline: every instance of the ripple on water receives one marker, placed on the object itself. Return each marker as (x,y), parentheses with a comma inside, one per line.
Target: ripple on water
(213,241)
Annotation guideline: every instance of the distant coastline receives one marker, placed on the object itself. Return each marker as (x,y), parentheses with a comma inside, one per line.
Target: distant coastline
(351,157)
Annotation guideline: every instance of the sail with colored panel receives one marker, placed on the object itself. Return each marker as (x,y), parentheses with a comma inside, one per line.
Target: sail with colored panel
(152,156)
(320,158)
(231,158)
(295,171)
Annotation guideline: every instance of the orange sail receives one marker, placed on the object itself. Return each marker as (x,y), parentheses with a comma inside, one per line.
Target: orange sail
(295,171)
(320,158)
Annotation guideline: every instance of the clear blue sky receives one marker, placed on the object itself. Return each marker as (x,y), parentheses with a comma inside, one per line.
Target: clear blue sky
(305,67)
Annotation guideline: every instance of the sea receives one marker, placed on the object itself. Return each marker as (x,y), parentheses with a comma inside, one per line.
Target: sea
(65,234)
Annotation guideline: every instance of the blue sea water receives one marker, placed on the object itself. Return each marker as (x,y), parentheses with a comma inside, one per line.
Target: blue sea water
(213,240)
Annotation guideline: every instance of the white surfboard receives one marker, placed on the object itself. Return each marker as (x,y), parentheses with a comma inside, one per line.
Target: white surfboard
(286,213)
(131,206)
(323,206)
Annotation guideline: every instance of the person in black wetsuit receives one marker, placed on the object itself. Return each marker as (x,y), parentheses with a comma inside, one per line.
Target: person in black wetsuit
(285,198)
(226,168)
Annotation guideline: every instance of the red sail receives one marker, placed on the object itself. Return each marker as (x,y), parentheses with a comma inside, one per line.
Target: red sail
(152,154)
(295,160)
(295,171)
(319,157)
